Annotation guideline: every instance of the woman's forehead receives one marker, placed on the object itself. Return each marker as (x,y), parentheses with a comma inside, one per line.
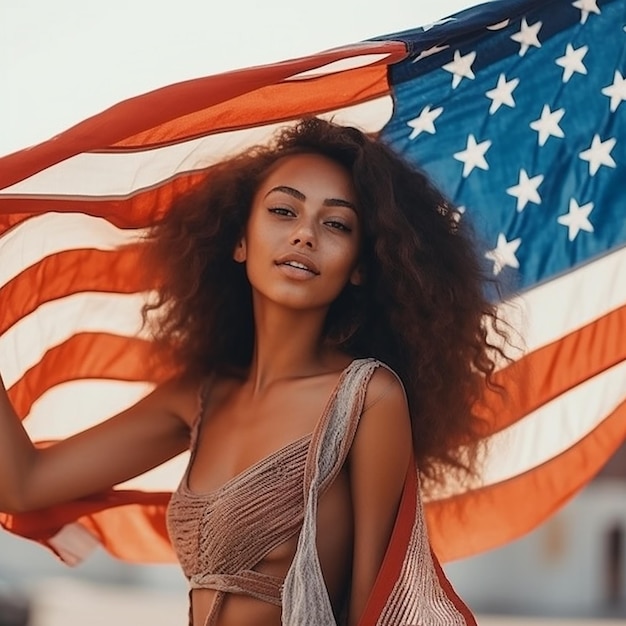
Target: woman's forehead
(310,172)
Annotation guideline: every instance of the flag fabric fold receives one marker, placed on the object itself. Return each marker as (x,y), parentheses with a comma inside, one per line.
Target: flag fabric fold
(515,109)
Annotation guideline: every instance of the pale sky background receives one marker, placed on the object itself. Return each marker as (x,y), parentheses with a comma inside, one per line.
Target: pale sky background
(64,60)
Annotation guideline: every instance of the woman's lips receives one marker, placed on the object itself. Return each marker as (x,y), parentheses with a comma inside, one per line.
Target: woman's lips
(298,262)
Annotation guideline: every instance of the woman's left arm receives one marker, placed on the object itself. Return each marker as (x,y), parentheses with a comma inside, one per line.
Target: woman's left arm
(378,463)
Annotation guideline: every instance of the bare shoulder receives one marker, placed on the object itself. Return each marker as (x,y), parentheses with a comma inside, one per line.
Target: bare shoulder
(180,397)
(384,386)
(385,421)
(186,396)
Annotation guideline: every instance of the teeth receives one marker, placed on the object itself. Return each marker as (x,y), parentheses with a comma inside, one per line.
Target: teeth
(298,265)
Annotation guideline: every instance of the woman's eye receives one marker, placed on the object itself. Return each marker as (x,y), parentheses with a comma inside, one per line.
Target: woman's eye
(278,210)
(339,226)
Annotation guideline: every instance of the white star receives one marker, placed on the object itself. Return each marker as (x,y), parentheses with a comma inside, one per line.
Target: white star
(526,190)
(548,124)
(499,25)
(425,121)
(586,7)
(599,153)
(572,61)
(616,91)
(427,27)
(503,254)
(502,93)
(427,53)
(473,155)
(460,67)
(576,219)
(527,36)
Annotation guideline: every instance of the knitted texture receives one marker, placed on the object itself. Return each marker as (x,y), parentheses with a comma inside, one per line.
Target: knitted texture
(305,599)
(258,518)
(272,500)
(262,507)
(418,596)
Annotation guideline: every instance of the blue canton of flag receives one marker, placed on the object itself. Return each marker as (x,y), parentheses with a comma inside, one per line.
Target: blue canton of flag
(521,121)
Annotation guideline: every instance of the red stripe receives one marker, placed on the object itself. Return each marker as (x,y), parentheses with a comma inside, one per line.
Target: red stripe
(138,210)
(140,114)
(140,531)
(486,518)
(68,273)
(269,105)
(112,357)
(541,376)
(130,524)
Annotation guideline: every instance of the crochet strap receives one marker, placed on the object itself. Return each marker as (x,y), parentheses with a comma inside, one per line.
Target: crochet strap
(305,597)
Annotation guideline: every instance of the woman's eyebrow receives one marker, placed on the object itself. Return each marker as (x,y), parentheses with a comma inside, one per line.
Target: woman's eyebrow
(289,191)
(300,196)
(339,202)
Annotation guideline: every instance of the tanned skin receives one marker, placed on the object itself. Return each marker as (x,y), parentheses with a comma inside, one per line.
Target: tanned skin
(301,247)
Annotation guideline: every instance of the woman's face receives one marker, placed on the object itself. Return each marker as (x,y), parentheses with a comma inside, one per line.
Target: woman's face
(301,244)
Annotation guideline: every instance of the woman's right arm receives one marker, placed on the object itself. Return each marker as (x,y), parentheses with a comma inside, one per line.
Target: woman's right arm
(134,441)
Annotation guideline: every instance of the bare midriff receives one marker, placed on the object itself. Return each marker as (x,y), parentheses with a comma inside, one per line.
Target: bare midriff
(235,610)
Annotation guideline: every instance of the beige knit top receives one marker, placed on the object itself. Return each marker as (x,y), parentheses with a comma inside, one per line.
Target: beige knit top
(258,517)
(220,536)
(276,498)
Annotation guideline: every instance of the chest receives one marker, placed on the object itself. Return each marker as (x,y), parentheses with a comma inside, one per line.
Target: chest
(240,433)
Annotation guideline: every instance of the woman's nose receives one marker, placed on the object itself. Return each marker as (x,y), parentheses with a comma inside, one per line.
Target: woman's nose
(303,235)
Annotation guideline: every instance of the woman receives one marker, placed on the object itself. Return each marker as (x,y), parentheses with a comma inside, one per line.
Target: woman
(321,310)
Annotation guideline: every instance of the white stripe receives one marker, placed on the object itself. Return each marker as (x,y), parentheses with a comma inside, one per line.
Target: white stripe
(163,478)
(74,406)
(550,430)
(26,342)
(43,235)
(552,310)
(119,174)
(556,426)
(73,543)
(350,63)
(370,117)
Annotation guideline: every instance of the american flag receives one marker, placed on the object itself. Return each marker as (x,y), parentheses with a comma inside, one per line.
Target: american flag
(514,108)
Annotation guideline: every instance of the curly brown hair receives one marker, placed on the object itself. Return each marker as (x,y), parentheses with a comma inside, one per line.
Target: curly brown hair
(421,308)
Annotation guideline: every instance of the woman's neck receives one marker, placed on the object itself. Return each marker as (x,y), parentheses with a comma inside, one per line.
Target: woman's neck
(288,344)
